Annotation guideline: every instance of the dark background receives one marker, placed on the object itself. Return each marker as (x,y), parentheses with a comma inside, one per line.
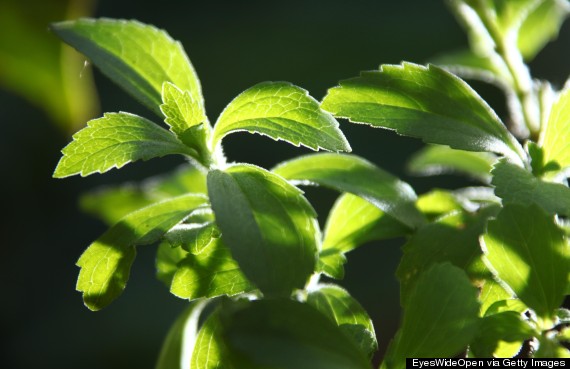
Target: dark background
(232,45)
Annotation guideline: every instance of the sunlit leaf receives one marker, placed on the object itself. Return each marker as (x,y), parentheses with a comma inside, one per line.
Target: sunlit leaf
(555,139)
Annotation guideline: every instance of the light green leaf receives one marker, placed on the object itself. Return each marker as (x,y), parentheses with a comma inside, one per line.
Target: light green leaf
(289,335)
(138,57)
(453,238)
(210,351)
(541,26)
(437,202)
(550,348)
(177,348)
(112,203)
(167,259)
(354,221)
(434,160)
(509,304)
(440,317)
(497,329)
(341,308)
(529,253)
(491,293)
(269,226)
(555,136)
(516,185)
(331,263)
(350,173)
(105,265)
(211,273)
(193,237)
(423,102)
(113,141)
(281,111)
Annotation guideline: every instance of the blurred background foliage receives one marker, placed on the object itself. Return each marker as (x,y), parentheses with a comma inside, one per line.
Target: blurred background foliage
(47,93)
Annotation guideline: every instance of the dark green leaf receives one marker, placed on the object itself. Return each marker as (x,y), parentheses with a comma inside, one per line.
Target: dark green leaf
(516,185)
(113,141)
(177,348)
(527,251)
(138,57)
(550,348)
(349,173)
(341,308)
(106,264)
(167,259)
(440,317)
(211,273)
(269,226)
(285,334)
(423,102)
(281,111)
(434,160)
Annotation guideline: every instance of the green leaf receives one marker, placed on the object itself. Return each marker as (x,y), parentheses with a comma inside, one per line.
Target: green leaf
(331,263)
(209,350)
(105,265)
(423,102)
(555,136)
(541,26)
(193,237)
(138,57)
(113,141)
(341,308)
(269,226)
(177,348)
(528,252)
(349,173)
(281,111)
(491,293)
(440,317)
(516,185)
(497,329)
(167,259)
(437,203)
(434,160)
(354,221)
(453,238)
(550,348)
(112,203)
(508,304)
(287,334)
(211,273)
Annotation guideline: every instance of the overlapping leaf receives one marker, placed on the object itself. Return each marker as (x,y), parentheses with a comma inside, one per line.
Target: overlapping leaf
(113,141)
(269,226)
(349,173)
(209,350)
(105,265)
(423,102)
(555,139)
(281,111)
(136,56)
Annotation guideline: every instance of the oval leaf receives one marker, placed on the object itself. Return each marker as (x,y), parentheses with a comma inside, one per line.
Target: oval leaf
(136,56)
(113,141)
(209,350)
(349,173)
(526,250)
(423,102)
(269,226)
(281,111)
(106,264)
(287,334)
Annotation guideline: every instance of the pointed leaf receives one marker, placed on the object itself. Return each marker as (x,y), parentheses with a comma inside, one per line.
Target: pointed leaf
(440,317)
(350,173)
(281,111)
(209,350)
(106,264)
(177,348)
(423,102)
(354,221)
(528,252)
(208,274)
(341,308)
(434,160)
(193,237)
(112,203)
(555,139)
(167,259)
(269,226)
(516,185)
(331,263)
(180,109)
(287,334)
(138,57)
(113,141)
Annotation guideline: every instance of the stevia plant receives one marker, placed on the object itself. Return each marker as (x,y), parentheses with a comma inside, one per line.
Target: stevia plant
(484,271)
